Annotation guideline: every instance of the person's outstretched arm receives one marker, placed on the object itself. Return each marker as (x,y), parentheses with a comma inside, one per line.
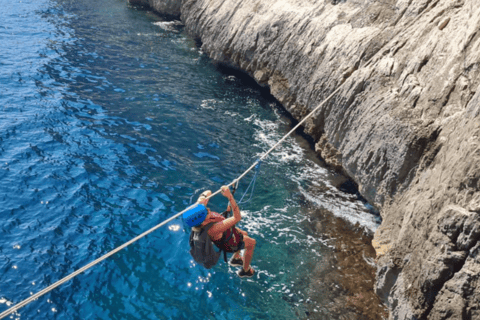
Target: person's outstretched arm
(233,204)
(230,222)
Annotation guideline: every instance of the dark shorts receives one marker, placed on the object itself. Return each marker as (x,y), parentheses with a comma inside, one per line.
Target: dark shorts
(241,246)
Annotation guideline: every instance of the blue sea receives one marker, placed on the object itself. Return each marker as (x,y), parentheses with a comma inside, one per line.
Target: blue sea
(112,119)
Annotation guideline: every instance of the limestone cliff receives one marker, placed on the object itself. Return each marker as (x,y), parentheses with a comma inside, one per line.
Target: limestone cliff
(405,124)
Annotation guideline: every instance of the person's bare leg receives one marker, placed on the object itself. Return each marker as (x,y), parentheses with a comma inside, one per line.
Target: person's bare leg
(236,255)
(249,247)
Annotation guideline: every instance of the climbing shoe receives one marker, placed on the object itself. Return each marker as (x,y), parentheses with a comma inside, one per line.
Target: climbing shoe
(245,274)
(238,262)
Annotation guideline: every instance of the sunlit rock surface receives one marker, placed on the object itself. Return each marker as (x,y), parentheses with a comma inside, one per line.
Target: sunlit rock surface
(405,124)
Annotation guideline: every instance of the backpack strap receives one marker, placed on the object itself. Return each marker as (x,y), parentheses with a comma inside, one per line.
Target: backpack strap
(230,236)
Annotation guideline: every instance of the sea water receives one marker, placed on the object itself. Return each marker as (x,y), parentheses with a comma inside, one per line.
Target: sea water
(112,120)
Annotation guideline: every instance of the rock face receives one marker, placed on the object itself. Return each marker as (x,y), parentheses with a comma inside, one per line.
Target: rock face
(405,123)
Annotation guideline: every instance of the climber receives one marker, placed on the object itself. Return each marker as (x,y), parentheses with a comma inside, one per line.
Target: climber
(226,236)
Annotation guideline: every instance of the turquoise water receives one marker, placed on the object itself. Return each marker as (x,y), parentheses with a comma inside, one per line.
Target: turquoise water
(112,121)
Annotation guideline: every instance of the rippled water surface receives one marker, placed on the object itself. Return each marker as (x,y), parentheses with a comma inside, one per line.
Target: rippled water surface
(113,120)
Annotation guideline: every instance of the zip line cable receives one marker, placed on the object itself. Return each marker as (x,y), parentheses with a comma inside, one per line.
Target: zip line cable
(126,244)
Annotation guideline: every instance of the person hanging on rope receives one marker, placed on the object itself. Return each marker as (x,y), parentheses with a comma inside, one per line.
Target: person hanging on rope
(226,236)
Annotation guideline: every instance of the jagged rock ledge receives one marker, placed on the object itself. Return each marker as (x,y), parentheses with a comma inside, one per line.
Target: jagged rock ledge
(405,124)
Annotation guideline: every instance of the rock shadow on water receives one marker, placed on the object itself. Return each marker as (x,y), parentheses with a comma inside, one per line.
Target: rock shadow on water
(342,285)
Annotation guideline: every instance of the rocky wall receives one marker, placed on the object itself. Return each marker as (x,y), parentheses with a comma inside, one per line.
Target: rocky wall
(405,124)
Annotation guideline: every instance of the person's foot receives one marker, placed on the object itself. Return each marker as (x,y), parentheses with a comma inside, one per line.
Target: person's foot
(246,274)
(236,261)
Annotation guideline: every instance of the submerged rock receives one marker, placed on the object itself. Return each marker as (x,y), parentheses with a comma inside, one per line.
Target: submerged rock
(169,7)
(405,123)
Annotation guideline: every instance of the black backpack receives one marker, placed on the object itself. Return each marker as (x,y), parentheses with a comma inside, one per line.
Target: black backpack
(201,247)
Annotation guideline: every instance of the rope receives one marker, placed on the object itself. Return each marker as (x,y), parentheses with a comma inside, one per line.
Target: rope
(252,183)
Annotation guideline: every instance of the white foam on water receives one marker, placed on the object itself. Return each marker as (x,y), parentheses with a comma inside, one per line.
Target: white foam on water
(168,25)
(232,114)
(209,104)
(230,78)
(352,212)
(14,315)
(268,135)
(263,221)
(310,177)
(8,303)
(174,227)
(251,118)
(343,205)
